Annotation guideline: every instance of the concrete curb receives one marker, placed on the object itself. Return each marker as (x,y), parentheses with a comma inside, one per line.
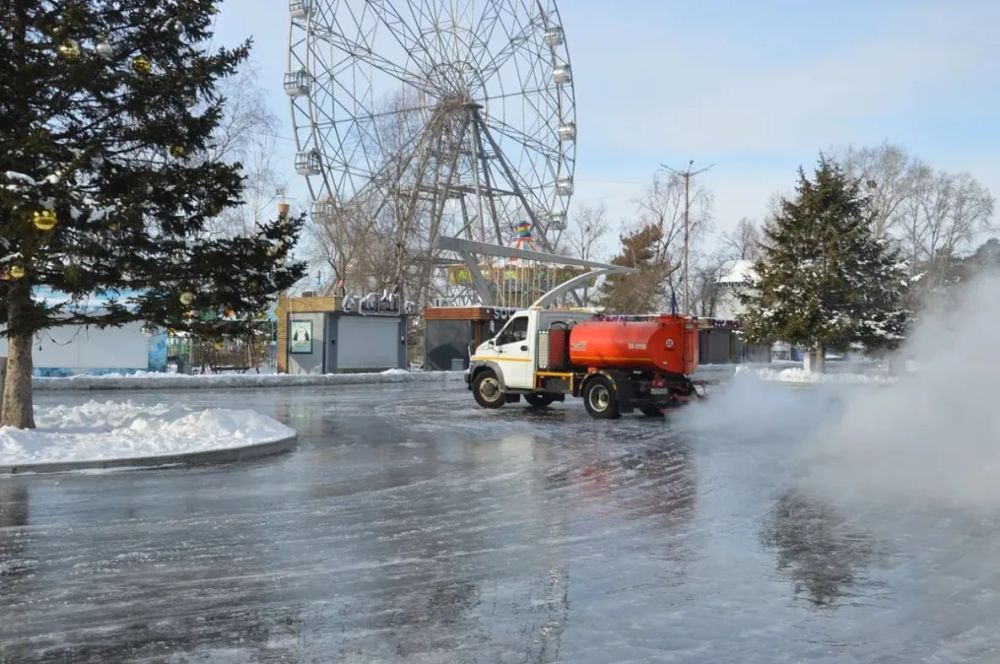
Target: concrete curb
(239,381)
(206,457)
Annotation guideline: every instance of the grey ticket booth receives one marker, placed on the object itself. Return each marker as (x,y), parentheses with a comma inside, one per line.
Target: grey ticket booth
(341,342)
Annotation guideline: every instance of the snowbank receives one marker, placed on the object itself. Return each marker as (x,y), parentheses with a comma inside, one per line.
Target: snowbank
(799,375)
(173,381)
(97,431)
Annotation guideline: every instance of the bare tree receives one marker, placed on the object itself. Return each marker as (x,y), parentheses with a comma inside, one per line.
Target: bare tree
(933,214)
(891,177)
(943,217)
(971,213)
(743,242)
(590,225)
(346,239)
(582,238)
(662,206)
(706,272)
(246,135)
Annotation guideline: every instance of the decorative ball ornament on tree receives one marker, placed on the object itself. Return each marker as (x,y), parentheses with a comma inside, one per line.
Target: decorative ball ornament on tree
(69,50)
(186,298)
(177,151)
(44,220)
(142,65)
(17,271)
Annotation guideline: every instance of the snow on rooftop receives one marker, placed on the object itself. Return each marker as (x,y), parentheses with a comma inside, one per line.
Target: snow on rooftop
(741,273)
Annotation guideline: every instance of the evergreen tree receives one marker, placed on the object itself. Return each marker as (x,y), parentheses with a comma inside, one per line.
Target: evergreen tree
(639,292)
(823,278)
(108,108)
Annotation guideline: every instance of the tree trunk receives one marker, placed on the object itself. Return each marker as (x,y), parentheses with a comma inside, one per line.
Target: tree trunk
(18,409)
(897,363)
(819,364)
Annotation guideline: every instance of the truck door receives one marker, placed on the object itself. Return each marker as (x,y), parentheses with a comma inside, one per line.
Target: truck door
(515,355)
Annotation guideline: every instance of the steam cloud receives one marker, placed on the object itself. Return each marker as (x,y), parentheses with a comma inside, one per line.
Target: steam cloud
(936,433)
(932,436)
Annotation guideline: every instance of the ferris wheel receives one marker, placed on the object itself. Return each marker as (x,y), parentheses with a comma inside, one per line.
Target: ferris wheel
(453,116)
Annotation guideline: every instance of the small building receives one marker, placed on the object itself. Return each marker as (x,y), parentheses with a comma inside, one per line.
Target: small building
(337,334)
(89,350)
(719,342)
(450,332)
(719,338)
(737,280)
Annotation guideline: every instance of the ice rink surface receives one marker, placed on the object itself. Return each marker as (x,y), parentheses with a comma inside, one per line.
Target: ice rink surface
(411,526)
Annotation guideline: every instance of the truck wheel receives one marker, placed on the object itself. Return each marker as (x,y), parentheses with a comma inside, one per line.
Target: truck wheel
(651,411)
(538,400)
(599,398)
(486,390)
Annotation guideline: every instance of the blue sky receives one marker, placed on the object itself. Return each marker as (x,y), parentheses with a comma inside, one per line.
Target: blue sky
(756,88)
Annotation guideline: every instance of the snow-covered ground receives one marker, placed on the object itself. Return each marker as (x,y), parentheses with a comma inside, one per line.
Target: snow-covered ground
(172,381)
(800,375)
(99,431)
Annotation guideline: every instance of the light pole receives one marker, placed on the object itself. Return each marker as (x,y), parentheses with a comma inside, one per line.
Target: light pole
(687,174)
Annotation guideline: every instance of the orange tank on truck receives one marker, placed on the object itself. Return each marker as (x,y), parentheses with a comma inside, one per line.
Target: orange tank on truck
(667,344)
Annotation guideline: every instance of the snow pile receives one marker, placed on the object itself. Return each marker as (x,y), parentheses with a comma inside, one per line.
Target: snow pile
(107,414)
(799,375)
(98,431)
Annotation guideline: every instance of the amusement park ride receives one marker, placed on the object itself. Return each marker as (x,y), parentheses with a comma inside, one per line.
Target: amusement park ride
(437,119)
(451,125)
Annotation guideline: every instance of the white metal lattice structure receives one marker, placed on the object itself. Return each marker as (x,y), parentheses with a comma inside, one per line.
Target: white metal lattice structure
(443,116)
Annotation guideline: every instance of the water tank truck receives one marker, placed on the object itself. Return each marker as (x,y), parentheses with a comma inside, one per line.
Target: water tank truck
(615,366)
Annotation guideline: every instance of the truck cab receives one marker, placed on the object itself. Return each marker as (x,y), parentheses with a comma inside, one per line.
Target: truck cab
(514,349)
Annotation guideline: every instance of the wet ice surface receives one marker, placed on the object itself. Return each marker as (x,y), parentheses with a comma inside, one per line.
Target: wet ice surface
(411,526)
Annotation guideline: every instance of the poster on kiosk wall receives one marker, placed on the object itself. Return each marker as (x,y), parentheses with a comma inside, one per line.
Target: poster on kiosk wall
(301,335)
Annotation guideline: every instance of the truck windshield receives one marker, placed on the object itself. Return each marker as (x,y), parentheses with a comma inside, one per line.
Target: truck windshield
(516,330)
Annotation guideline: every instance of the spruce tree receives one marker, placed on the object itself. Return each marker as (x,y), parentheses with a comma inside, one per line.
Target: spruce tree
(823,279)
(108,108)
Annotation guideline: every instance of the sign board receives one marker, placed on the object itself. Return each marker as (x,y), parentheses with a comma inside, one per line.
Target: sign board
(375,304)
(300,337)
